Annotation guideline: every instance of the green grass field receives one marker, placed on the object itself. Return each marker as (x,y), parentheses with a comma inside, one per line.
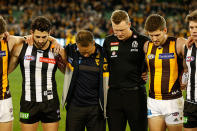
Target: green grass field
(15,81)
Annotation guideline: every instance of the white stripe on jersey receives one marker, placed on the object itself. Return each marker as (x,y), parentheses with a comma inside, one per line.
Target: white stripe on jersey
(27,74)
(38,77)
(189,52)
(49,74)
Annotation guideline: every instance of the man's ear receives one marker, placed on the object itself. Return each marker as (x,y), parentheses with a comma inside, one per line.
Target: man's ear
(165,30)
(129,24)
(93,42)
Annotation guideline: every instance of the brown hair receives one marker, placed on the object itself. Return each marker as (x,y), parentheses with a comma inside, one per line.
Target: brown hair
(41,23)
(192,16)
(2,25)
(84,38)
(155,22)
(119,16)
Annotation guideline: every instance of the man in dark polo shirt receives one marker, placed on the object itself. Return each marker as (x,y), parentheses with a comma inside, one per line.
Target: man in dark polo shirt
(126,99)
(85,84)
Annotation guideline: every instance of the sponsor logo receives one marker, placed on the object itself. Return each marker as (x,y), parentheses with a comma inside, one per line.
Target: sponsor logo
(166,56)
(48,92)
(185,119)
(149,112)
(190,58)
(134,50)
(29,57)
(151,56)
(47,60)
(134,36)
(175,92)
(114,43)
(2,53)
(114,48)
(24,115)
(134,44)
(113,54)
(175,114)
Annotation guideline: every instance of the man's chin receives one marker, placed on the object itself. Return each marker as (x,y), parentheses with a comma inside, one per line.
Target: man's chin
(121,38)
(157,44)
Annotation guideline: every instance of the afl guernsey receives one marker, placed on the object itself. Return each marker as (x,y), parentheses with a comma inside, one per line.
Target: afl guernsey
(4,58)
(190,56)
(38,69)
(165,68)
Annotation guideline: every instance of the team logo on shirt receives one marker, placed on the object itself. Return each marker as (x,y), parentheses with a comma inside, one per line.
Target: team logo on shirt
(151,56)
(2,53)
(190,58)
(114,43)
(47,60)
(29,57)
(134,44)
(166,56)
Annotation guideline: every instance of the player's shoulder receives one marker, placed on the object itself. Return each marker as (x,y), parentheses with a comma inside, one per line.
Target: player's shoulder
(181,41)
(110,37)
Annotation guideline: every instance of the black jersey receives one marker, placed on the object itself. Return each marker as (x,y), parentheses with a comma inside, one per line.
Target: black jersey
(126,60)
(38,69)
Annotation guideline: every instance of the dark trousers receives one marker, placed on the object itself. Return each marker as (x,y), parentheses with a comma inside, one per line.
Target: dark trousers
(127,105)
(90,117)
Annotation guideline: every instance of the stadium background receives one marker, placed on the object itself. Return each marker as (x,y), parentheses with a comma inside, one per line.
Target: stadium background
(70,16)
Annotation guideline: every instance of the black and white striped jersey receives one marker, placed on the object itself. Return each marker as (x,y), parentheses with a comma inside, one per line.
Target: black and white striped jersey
(190,56)
(38,69)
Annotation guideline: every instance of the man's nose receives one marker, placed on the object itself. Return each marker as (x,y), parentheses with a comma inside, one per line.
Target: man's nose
(40,40)
(154,38)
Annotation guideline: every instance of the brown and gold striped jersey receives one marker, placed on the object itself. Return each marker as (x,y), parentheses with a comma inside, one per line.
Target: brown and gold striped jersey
(4,58)
(165,68)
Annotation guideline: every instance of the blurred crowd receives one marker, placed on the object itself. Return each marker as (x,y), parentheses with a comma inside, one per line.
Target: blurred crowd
(69,16)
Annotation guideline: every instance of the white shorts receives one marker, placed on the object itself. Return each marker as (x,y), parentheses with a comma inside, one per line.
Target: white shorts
(171,110)
(6,110)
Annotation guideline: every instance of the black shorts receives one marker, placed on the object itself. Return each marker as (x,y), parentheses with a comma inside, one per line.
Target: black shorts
(46,112)
(190,115)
